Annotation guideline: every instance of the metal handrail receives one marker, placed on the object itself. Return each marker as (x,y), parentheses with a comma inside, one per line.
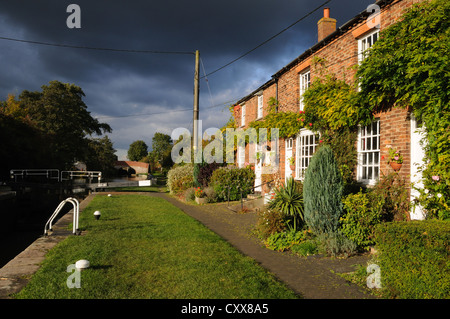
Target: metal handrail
(253,188)
(83,174)
(48,172)
(76,213)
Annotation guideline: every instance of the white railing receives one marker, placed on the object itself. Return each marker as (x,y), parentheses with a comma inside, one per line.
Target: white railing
(55,174)
(76,215)
(49,173)
(66,175)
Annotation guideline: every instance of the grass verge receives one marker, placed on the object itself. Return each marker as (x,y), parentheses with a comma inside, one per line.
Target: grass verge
(144,247)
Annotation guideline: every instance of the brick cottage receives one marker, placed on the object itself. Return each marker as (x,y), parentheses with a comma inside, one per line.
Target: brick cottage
(342,48)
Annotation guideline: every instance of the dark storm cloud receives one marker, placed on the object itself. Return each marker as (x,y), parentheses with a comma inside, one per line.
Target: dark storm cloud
(119,83)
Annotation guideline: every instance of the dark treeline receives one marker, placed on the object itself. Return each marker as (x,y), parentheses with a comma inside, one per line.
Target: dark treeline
(52,128)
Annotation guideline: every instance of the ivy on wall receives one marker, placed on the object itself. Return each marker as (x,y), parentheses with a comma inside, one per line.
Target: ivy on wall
(409,66)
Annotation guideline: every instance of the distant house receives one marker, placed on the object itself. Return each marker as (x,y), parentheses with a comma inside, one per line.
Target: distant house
(80,166)
(132,167)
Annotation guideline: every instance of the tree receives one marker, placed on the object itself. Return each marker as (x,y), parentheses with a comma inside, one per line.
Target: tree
(59,115)
(21,146)
(322,192)
(161,150)
(101,155)
(137,150)
(60,112)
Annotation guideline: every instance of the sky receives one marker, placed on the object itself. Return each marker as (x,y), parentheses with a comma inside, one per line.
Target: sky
(146,84)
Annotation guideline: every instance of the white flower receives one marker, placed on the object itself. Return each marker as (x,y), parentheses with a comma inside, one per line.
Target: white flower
(439,195)
(426,191)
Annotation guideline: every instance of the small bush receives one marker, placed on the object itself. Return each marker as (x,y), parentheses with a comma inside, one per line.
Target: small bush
(189,194)
(286,240)
(363,211)
(336,244)
(393,190)
(206,171)
(288,200)
(414,258)
(210,194)
(270,222)
(237,179)
(180,178)
(305,248)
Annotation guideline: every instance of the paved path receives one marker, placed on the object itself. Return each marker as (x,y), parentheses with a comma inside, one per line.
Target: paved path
(311,278)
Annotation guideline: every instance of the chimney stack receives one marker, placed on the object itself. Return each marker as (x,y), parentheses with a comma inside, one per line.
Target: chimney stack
(326,25)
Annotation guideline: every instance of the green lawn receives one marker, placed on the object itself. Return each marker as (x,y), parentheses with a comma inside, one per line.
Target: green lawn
(144,247)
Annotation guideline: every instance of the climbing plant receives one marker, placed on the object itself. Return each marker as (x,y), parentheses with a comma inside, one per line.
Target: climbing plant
(409,67)
(288,123)
(332,104)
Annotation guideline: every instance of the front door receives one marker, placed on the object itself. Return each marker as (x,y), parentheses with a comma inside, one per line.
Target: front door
(417,156)
(288,154)
(258,169)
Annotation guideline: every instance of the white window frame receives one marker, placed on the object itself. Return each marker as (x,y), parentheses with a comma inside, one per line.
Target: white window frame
(289,143)
(260,106)
(243,115)
(366,42)
(368,169)
(305,147)
(241,156)
(304,83)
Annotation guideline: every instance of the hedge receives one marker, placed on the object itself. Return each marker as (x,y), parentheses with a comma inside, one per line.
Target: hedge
(414,259)
(237,179)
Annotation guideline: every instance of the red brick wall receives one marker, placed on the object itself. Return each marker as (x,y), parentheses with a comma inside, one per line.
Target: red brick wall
(395,132)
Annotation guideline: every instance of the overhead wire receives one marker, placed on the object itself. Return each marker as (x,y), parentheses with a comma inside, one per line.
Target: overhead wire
(207,82)
(164,112)
(174,53)
(271,38)
(96,48)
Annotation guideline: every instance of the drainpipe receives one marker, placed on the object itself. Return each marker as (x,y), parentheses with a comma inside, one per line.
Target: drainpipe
(275,78)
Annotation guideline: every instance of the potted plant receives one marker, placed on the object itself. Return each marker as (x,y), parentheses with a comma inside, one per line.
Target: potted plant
(258,156)
(200,196)
(267,180)
(395,159)
(292,163)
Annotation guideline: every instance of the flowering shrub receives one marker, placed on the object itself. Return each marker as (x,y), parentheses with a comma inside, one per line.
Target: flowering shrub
(434,196)
(180,178)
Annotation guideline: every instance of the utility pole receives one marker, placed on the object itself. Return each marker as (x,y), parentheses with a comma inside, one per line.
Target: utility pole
(196,100)
(197,154)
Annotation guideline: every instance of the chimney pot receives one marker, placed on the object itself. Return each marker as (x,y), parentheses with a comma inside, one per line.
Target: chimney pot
(326,25)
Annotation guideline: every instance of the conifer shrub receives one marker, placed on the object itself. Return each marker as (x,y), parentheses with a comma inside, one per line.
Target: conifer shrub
(322,192)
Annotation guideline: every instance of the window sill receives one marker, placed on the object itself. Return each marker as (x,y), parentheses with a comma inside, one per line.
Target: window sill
(368,182)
